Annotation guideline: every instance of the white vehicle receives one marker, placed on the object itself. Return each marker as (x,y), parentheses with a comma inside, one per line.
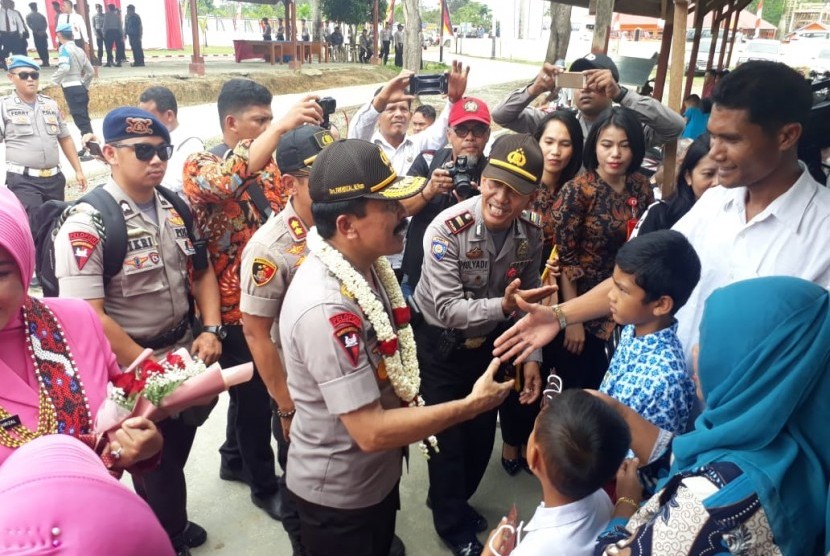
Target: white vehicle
(761,49)
(821,61)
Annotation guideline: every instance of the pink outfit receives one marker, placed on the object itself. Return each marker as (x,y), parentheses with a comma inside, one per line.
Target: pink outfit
(57,498)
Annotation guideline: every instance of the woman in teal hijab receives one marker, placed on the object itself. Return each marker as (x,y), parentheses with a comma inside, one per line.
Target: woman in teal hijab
(752,477)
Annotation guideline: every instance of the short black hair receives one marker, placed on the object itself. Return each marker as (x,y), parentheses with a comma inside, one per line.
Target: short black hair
(582,441)
(325,214)
(662,263)
(570,122)
(693,98)
(773,93)
(237,95)
(625,119)
(427,110)
(163,98)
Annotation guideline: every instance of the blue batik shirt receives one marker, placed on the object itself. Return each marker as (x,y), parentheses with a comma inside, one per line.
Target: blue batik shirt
(649,375)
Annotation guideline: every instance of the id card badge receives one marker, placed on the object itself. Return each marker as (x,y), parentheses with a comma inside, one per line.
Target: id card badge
(632,222)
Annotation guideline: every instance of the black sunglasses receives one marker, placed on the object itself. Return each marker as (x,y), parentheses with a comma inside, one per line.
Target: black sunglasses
(145,151)
(25,75)
(478,131)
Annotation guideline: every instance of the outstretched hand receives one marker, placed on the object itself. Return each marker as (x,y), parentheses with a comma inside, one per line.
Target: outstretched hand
(394,91)
(457,84)
(512,294)
(533,331)
(488,394)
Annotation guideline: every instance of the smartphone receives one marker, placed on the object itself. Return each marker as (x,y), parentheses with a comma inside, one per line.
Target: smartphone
(429,84)
(94,149)
(571,80)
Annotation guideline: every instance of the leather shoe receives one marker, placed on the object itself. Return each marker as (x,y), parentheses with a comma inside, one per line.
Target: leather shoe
(397,548)
(511,466)
(194,535)
(230,474)
(478,521)
(469,548)
(183,550)
(271,504)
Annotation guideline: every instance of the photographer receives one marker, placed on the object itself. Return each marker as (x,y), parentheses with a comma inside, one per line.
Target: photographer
(454,174)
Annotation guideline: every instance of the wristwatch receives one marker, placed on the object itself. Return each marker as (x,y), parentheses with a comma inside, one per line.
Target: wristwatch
(218,330)
(619,98)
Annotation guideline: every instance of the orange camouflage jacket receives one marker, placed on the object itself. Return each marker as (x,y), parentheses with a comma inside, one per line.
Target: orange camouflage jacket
(226,215)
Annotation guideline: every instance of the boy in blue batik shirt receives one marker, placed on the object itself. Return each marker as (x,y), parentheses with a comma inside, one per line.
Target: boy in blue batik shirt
(653,278)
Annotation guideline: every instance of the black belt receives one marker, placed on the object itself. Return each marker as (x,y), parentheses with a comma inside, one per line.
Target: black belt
(168,338)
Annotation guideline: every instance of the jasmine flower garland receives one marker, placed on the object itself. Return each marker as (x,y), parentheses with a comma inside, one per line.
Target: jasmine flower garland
(398,350)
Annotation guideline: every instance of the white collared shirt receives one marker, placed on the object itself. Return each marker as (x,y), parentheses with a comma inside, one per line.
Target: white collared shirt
(78,25)
(791,237)
(571,529)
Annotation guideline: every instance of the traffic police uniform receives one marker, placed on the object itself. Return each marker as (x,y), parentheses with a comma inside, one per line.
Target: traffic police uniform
(74,75)
(31,134)
(148,299)
(459,296)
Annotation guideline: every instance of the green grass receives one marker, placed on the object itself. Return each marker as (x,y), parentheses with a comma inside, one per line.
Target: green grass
(186,51)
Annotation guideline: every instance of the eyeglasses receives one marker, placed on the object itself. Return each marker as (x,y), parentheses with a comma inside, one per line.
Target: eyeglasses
(26,75)
(552,389)
(145,151)
(478,131)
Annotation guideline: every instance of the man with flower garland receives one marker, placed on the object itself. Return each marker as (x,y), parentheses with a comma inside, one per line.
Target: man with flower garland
(478,254)
(356,393)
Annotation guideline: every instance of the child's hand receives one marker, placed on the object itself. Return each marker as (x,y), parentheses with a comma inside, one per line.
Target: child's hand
(501,541)
(628,483)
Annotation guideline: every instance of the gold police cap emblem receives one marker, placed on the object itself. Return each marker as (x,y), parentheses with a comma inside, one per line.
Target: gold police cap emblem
(471,106)
(324,138)
(517,158)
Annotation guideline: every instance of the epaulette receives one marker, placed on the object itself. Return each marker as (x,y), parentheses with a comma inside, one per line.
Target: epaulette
(460,222)
(532,218)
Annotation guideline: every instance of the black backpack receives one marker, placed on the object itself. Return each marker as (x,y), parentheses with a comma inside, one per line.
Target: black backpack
(111,228)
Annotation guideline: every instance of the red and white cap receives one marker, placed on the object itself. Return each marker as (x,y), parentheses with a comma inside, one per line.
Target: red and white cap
(469,109)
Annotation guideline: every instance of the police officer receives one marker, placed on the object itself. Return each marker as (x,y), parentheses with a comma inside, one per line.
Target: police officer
(269,261)
(74,75)
(478,254)
(32,127)
(146,304)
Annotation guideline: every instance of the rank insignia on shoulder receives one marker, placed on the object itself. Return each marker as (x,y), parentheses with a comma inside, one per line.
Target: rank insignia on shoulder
(531,217)
(262,271)
(297,228)
(459,223)
(439,248)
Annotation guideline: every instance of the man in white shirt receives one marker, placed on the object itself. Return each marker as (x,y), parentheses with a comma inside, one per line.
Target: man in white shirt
(77,22)
(161,103)
(390,111)
(13,32)
(768,216)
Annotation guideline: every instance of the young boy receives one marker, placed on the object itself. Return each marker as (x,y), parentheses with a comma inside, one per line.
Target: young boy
(578,443)
(654,275)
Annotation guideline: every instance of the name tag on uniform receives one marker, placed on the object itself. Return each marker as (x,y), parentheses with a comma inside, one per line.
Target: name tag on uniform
(186,246)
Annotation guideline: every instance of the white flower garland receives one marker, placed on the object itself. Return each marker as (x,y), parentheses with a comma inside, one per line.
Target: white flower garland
(402,361)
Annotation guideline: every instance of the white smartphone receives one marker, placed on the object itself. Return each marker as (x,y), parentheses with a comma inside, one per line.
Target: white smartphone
(571,80)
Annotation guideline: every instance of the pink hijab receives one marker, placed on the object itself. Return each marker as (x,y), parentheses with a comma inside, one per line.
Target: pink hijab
(15,235)
(57,498)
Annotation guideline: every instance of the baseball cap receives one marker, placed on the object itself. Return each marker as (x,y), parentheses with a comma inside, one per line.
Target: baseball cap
(353,168)
(517,161)
(128,122)
(596,61)
(20,61)
(299,147)
(469,109)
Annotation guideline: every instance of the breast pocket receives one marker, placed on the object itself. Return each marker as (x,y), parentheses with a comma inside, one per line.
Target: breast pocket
(22,125)
(143,273)
(52,124)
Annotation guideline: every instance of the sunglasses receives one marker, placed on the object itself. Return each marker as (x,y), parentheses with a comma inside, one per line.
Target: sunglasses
(145,152)
(478,131)
(26,75)
(552,389)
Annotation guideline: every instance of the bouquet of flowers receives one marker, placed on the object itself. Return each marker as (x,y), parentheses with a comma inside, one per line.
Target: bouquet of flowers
(158,389)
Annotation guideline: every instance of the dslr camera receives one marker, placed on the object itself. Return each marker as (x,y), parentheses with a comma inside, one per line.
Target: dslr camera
(461,179)
(329,105)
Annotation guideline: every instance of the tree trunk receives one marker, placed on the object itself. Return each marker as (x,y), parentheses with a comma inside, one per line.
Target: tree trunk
(560,32)
(316,21)
(412,36)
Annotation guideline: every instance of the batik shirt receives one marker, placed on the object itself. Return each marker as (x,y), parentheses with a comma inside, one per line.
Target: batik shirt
(648,374)
(226,215)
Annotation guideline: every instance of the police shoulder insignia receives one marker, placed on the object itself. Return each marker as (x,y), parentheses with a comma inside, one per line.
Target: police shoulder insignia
(531,217)
(346,293)
(460,222)
(262,271)
(297,228)
(83,244)
(439,248)
(347,332)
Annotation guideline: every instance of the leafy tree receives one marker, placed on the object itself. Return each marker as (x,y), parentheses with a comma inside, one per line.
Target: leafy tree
(474,13)
(351,12)
(773,9)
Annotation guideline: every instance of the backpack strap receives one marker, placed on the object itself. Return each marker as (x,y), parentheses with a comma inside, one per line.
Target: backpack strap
(200,259)
(115,228)
(254,189)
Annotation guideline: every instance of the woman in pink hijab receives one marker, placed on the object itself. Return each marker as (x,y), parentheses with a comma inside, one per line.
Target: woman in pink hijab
(54,359)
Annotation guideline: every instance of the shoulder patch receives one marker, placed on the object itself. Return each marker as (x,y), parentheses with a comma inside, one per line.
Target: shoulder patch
(439,248)
(262,271)
(532,218)
(83,244)
(347,333)
(297,228)
(460,222)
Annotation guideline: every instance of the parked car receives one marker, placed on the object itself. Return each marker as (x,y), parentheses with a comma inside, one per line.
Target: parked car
(702,54)
(761,49)
(821,61)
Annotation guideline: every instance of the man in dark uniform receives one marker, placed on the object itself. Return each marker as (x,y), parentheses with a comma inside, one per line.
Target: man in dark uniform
(478,254)
(40,33)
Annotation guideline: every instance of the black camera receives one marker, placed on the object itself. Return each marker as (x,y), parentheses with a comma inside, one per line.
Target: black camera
(329,105)
(460,173)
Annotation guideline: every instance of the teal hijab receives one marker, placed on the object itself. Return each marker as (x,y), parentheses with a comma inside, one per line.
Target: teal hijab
(764,370)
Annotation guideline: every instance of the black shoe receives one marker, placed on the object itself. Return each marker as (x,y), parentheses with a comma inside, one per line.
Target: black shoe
(137,65)
(194,535)
(512,466)
(478,521)
(230,474)
(108,65)
(118,65)
(182,550)
(271,504)
(397,548)
(469,548)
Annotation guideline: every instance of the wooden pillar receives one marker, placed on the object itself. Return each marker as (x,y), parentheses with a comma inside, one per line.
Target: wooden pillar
(375,61)
(690,73)
(663,57)
(296,61)
(732,42)
(678,51)
(602,25)
(197,62)
(716,21)
(729,14)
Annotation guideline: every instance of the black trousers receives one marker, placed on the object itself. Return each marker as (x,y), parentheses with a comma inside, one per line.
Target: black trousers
(138,51)
(114,39)
(457,469)
(290,517)
(361,532)
(584,370)
(77,98)
(42,46)
(399,55)
(99,41)
(32,192)
(247,446)
(164,488)
(384,51)
(516,419)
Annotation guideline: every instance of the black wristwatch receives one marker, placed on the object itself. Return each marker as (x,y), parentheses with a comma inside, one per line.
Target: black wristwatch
(619,98)
(218,330)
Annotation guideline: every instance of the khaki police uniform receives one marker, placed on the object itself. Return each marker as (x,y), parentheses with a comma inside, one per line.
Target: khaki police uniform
(459,296)
(149,300)
(334,367)
(31,134)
